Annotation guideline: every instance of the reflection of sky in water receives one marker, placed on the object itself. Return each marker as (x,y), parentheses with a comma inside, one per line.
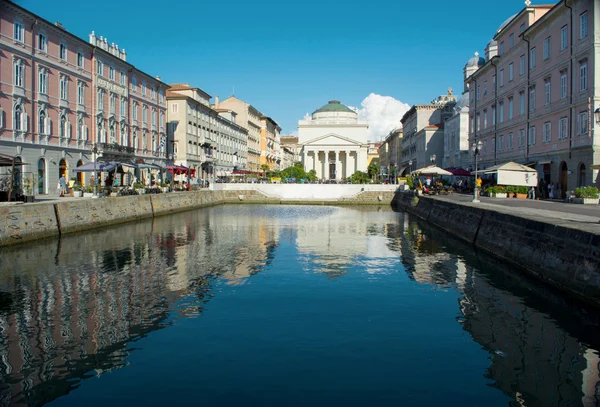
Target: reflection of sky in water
(286,305)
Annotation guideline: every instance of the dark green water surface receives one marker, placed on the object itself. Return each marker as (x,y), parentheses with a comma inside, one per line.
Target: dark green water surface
(285,306)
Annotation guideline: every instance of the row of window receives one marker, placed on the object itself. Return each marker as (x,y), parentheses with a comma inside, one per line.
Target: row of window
(583,33)
(112,75)
(123,108)
(583,83)
(533,60)
(563,134)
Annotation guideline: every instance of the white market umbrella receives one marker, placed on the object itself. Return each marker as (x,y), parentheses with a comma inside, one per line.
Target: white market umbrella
(431,170)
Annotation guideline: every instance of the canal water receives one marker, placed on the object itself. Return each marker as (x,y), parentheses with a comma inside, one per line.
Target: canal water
(285,306)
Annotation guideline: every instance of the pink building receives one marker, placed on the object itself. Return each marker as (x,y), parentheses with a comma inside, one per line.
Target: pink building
(65,102)
(130,107)
(45,96)
(533,96)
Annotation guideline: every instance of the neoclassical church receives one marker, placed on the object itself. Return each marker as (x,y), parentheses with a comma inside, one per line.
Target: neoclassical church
(333,141)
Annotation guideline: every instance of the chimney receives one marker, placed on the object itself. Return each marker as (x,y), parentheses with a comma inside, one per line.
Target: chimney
(58,24)
(216,102)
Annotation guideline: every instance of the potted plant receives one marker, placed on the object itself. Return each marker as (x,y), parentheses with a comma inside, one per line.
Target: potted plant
(28,186)
(520,192)
(586,195)
(77,190)
(140,188)
(496,191)
(88,192)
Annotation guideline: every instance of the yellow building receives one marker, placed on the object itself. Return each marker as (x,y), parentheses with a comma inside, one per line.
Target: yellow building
(269,143)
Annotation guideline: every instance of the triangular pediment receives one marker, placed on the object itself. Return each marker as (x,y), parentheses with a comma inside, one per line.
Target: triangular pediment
(332,140)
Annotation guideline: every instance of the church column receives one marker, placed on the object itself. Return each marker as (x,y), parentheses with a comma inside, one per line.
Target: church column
(315,156)
(337,166)
(305,163)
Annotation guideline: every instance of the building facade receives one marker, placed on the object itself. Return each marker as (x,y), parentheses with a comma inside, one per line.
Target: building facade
(533,99)
(334,141)
(291,143)
(423,138)
(391,166)
(69,102)
(130,108)
(46,88)
(456,136)
(203,137)
(373,153)
(269,143)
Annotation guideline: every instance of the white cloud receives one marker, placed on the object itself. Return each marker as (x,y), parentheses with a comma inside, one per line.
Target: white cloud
(383,113)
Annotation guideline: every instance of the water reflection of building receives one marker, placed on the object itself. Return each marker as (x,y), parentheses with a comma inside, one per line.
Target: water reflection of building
(535,359)
(334,242)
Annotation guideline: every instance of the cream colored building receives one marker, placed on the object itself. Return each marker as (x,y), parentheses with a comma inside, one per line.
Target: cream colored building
(334,141)
(251,119)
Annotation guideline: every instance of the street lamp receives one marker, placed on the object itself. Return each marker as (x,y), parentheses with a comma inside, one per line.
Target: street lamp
(432,159)
(95,158)
(597,115)
(476,149)
(409,166)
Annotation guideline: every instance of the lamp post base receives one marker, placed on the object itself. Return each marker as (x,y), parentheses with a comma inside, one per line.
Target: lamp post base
(475,200)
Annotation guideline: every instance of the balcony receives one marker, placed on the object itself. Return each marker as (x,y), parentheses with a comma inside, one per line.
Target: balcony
(115,149)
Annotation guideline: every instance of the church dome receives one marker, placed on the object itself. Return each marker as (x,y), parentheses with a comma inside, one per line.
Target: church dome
(476,60)
(333,106)
(505,23)
(462,102)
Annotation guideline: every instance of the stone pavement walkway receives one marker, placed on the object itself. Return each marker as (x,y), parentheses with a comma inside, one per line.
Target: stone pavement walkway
(585,217)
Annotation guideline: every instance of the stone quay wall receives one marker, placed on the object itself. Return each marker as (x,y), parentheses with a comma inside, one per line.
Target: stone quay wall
(565,257)
(20,223)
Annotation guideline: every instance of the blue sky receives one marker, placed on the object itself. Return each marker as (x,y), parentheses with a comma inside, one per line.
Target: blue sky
(289,58)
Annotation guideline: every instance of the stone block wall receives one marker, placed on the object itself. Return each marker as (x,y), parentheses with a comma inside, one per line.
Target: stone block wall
(462,221)
(76,215)
(24,223)
(565,257)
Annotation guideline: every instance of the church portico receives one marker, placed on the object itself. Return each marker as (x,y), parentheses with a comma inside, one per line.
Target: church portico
(333,142)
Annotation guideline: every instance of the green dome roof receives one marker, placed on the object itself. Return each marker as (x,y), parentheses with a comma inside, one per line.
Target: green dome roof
(334,106)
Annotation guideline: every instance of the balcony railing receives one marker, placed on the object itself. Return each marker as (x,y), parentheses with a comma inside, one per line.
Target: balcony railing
(116,148)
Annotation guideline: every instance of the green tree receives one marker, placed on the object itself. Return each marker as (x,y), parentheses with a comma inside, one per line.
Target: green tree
(293,172)
(373,170)
(264,168)
(299,164)
(360,177)
(311,175)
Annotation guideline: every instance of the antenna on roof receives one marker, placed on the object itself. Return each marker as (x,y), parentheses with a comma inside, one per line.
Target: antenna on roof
(233,91)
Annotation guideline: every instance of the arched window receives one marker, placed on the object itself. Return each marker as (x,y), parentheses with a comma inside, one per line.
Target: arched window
(153,143)
(134,140)
(581,181)
(144,141)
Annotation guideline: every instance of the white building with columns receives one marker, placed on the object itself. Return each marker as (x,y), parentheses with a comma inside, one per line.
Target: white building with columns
(333,141)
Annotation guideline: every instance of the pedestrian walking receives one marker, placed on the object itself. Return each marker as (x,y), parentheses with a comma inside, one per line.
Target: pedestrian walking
(551,190)
(62,183)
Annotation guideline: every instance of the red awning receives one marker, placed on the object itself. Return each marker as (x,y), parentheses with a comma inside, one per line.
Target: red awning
(177,169)
(460,172)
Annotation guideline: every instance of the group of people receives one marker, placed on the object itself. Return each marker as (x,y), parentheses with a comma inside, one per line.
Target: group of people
(545,190)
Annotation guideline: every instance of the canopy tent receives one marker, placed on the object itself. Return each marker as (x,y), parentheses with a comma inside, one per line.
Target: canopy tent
(9,161)
(431,170)
(177,169)
(512,173)
(241,172)
(143,166)
(102,166)
(459,172)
